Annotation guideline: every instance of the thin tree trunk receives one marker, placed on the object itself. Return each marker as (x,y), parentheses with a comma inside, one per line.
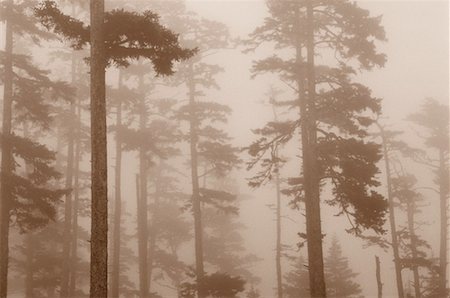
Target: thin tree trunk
(378,275)
(311,178)
(115,277)
(410,208)
(278,222)
(393,227)
(443,198)
(6,163)
(76,199)
(153,232)
(142,211)
(196,205)
(278,245)
(99,211)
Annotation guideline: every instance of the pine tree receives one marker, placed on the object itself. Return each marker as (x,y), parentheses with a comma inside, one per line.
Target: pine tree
(106,35)
(28,198)
(339,275)
(335,147)
(434,119)
(297,279)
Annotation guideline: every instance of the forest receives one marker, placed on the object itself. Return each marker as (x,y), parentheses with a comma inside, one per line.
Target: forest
(224,148)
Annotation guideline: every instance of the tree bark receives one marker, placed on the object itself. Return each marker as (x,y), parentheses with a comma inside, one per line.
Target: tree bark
(378,275)
(311,178)
(393,227)
(142,212)
(6,163)
(99,211)
(196,204)
(115,276)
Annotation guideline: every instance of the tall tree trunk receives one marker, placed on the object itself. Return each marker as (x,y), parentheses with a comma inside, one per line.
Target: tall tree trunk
(99,188)
(76,199)
(278,221)
(6,163)
(443,198)
(311,178)
(67,237)
(393,227)
(378,275)
(142,211)
(153,232)
(115,276)
(29,265)
(410,208)
(278,245)
(196,205)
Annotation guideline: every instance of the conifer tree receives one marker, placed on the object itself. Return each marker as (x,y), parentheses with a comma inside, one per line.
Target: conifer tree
(338,274)
(28,198)
(334,113)
(433,118)
(116,37)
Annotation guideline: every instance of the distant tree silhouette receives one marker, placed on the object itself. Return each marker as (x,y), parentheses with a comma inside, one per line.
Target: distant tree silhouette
(339,276)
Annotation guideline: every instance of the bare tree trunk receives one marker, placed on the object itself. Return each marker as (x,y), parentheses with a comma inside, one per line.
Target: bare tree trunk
(410,208)
(311,178)
(443,198)
(99,188)
(393,227)
(196,206)
(6,163)
(142,212)
(153,232)
(76,199)
(115,277)
(378,274)
(278,222)
(278,245)
(67,237)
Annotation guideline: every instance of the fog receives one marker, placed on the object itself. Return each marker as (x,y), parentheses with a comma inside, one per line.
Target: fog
(174,119)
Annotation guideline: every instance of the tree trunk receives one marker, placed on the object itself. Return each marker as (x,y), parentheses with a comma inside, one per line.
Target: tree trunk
(142,212)
(29,266)
(115,276)
(311,178)
(6,163)
(278,223)
(393,227)
(410,209)
(153,232)
(99,188)
(443,198)
(76,199)
(278,245)
(67,237)
(196,205)
(378,274)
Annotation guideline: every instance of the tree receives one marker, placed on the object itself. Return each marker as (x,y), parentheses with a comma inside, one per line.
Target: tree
(339,275)
(28,198)
(297,279)
(105,34)
(334,145)
(433,118)
(389,145)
